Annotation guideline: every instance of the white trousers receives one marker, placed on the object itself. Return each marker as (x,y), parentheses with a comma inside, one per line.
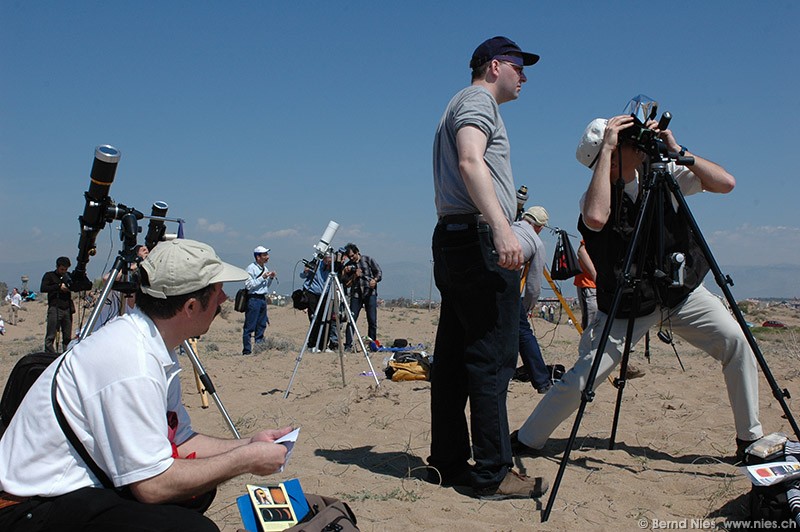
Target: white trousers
(702,320)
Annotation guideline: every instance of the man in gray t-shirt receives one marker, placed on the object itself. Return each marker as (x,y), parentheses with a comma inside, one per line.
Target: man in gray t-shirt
(476,259)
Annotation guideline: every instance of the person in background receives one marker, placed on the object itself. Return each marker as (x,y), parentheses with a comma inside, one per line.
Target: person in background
(257,284)
(60,307)
(527,231)
(314,284)
(16,304)
(362,275)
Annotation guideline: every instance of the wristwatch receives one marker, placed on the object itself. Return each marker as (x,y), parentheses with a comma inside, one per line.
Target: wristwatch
(683,150)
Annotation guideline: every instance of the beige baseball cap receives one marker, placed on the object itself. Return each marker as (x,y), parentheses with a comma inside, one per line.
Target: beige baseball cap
(182,266)
(537,214)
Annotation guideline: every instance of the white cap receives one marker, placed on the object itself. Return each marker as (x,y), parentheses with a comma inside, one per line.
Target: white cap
(183,266)
(592,139)
(260,249)
(537,214)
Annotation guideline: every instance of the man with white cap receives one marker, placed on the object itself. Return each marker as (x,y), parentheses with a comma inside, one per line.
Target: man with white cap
(257,283)
(527,230)
(606,223)
(132,455)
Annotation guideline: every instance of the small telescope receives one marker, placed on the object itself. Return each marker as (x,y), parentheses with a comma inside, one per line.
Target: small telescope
(325,241)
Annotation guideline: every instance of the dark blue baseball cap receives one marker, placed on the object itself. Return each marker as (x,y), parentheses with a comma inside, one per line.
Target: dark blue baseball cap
(501,48)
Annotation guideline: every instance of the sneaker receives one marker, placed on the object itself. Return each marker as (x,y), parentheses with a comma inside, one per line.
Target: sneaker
(314,350)
(514,486)
(246,352)
(544,388)
(520,449)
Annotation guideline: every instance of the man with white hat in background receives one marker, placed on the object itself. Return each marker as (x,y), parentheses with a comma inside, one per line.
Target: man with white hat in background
(123,454)
(258,282)
(527,230)
(690,310)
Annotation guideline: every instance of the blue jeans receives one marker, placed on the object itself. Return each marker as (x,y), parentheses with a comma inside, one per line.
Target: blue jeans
(475,354)
(255,321)
(530,353)
(370,303)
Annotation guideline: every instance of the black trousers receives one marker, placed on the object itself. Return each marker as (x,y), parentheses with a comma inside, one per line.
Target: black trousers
(476,353)
(58,319)
(100,510)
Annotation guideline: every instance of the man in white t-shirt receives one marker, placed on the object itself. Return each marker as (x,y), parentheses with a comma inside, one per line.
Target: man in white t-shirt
(120,395)
(16,303)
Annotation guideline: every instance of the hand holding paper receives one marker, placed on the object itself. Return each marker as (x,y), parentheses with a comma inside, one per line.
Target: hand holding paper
(288,440)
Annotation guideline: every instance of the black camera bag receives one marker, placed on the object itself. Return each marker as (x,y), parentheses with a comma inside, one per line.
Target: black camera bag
(300,299)
(25,372)
(240,301)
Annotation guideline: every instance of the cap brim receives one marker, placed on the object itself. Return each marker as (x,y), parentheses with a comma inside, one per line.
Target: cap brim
(529,59)
(229,273)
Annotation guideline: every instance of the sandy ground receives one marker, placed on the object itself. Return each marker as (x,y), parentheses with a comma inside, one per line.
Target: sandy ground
(367,444)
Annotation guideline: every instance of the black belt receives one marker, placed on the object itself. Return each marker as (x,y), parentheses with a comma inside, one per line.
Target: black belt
(257,296)
(473,218)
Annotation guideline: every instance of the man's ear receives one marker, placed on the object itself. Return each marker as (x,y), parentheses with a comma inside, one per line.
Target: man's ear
(191,306)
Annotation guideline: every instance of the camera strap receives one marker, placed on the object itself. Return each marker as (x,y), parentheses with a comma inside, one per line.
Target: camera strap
(72,437)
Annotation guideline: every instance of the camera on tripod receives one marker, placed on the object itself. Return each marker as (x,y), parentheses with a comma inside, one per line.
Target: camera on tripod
(644,109)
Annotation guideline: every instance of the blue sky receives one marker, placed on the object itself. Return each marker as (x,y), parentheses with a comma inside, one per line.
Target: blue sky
(258,122)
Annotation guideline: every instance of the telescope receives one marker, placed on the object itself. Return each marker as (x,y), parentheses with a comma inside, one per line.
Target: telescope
(99,210)
(324,243)
(156,228)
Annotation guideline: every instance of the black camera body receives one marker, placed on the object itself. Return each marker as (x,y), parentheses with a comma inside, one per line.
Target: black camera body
(645,139)
(66,280)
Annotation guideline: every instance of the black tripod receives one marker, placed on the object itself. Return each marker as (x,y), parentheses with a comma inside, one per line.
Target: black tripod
(658,184)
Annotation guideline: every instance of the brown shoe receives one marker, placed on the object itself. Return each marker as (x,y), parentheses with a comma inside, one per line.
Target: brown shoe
(515,486)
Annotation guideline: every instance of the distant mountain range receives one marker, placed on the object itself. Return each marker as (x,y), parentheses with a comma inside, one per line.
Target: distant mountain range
(413,280)
(404,279)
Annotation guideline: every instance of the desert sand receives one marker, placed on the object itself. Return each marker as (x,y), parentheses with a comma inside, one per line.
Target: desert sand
(367,444)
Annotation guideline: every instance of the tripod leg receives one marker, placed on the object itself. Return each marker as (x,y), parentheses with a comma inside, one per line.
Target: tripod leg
(209,386)
(619,383)
(336,301)
(308,336)
(200,389)
(623,282)
(352,323)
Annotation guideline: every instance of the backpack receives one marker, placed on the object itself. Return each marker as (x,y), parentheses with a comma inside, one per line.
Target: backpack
(25,372)
(408,366)
(240,301)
